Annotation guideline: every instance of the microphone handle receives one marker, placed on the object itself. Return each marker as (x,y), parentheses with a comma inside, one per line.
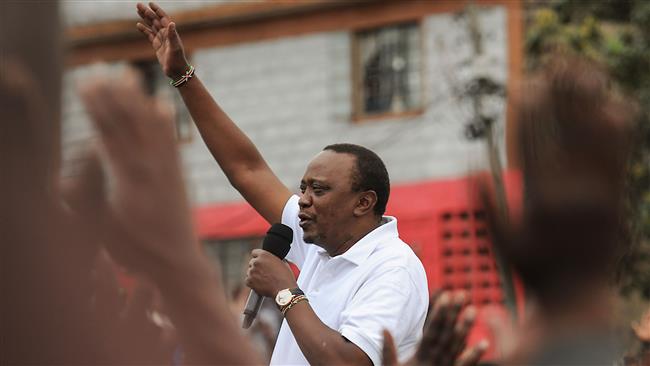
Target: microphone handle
(253,305)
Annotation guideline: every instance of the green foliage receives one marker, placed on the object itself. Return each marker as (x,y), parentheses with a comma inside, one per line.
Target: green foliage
(615,33)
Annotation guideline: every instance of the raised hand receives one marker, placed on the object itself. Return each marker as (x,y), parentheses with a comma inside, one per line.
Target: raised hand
(443,342)
(159,29)
(146,211)
(146,218)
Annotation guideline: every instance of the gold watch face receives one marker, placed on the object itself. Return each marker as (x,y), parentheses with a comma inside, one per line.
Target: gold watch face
(283,297)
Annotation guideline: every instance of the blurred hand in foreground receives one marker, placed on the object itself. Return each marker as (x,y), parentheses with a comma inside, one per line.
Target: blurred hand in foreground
(445,334)
(145,211)
(145,222)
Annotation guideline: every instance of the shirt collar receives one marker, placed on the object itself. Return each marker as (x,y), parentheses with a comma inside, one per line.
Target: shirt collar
(366,245)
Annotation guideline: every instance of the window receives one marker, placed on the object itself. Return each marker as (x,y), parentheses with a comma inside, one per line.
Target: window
(156,83)
(387,69)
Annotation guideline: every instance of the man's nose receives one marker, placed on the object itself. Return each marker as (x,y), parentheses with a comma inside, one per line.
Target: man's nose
(305,200)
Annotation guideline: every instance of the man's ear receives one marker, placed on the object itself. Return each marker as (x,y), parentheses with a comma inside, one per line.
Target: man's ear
(366,203)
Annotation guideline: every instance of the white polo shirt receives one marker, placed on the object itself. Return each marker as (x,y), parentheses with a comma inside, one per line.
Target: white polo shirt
(379,283)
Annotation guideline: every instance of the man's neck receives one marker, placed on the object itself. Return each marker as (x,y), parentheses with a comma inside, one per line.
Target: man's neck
(355,236)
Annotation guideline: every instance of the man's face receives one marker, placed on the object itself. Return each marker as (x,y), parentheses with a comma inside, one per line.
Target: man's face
(327,201)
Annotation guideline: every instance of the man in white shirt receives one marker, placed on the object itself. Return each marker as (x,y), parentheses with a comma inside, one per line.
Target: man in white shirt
(357,277)
(356,284)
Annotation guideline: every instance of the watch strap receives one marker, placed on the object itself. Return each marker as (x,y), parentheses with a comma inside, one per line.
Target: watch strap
(296,291)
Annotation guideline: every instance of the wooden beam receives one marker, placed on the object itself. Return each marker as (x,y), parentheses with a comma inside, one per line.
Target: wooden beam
(112,31)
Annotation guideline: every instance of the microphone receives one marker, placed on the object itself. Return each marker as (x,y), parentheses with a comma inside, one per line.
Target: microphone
(277,241)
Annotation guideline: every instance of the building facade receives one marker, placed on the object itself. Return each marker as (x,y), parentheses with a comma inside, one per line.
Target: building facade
(394,76)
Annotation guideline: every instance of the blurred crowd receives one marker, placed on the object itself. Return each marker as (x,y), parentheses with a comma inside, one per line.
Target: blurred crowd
(65,240)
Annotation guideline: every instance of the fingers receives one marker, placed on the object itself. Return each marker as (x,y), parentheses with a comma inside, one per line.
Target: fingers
(248,281)
(450,318)
(251,267)
(164,18)
(444,335)
(147,15)
(389,353)
(472,355)
(462,330)
(146,31)
(430,338)
(442,350)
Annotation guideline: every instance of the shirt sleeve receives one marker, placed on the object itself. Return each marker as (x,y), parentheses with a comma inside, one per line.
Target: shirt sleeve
(388,301)
(297,252)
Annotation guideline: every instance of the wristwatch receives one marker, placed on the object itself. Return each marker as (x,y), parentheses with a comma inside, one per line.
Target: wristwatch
(284,297)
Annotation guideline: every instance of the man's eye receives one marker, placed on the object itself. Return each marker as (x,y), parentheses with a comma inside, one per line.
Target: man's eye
(302,188)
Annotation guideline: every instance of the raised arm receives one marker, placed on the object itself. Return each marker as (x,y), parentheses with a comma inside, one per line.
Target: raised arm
(234,152)
(137,139)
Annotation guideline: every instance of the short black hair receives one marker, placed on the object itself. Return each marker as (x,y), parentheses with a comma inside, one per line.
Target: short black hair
(371,174)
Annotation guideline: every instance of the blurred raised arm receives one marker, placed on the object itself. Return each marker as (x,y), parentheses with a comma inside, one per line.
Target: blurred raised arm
(147,218)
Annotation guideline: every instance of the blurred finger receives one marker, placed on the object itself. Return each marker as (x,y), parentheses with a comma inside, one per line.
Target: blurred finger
(102,117)
(432,329)
(462,330)
(458,302)
(389,353)
(449,316)
(472,355)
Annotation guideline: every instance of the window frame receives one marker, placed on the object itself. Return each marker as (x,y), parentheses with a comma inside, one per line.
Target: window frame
(358,114)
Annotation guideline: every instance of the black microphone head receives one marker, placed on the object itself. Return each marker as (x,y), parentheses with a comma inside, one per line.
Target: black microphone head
(278,240)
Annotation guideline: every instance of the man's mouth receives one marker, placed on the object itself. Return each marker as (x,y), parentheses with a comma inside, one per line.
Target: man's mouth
(304,220)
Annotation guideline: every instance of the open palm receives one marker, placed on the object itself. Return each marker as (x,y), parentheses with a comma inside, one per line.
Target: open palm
(161,33)
(444,339)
